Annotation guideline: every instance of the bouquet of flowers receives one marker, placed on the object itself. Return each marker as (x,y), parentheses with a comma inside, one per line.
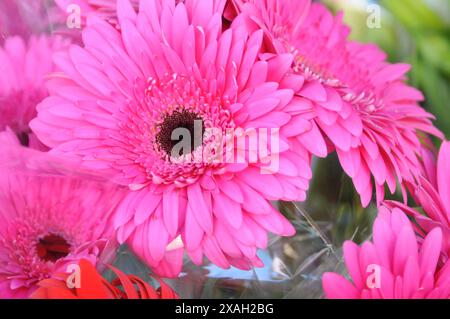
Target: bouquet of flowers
(189,132)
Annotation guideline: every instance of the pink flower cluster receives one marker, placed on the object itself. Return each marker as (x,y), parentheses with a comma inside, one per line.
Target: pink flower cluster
(405,260)
(111,103)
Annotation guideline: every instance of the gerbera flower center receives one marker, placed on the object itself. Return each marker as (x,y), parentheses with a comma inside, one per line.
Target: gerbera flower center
(171,135)
(172,132)
(52,247)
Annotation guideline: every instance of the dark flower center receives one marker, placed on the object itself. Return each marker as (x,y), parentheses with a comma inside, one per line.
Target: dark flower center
(174,130)
(24,139)
(52,247)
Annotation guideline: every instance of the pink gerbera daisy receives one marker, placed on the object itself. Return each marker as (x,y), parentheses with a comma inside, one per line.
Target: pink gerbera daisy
(358,100)
(48,222)
(394,266)
(122,96)
(432,193)
(23,67)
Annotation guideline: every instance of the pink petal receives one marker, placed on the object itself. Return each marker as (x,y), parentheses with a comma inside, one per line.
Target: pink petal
(430,252)
(314,91)
(171,211)
(337,287)
(228,210)
(198,205)
(443,175)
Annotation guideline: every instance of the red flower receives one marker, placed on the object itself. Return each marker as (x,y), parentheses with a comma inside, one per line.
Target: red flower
(93,286)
